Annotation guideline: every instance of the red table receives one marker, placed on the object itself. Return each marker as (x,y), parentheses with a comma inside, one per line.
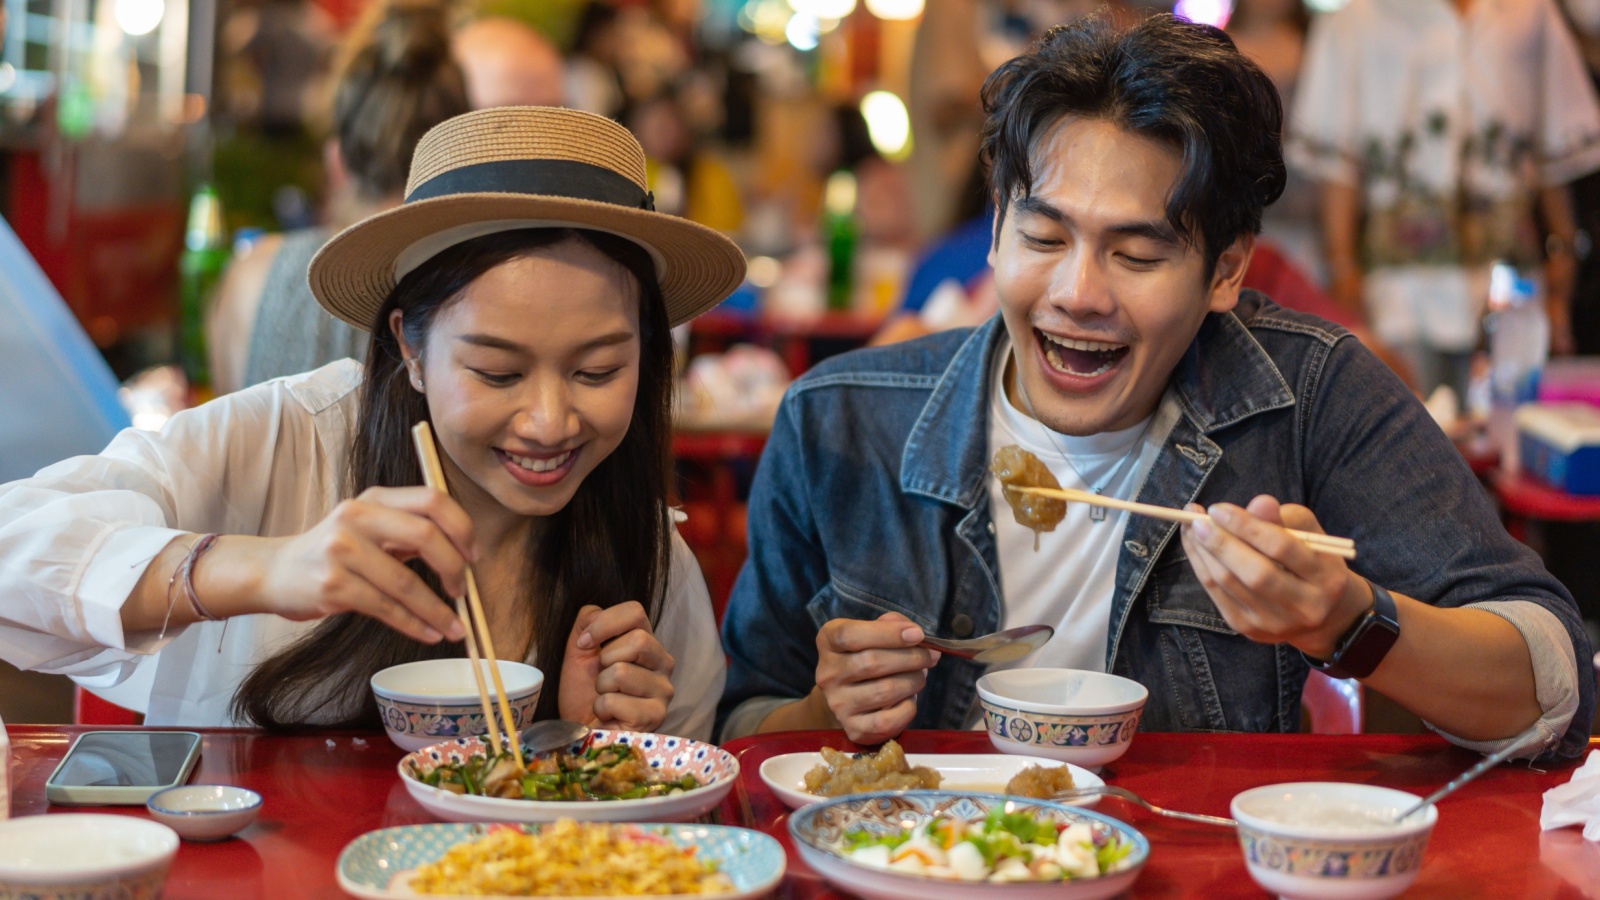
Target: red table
(324,790)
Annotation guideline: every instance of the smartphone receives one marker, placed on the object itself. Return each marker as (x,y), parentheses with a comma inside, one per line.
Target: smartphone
(122,767)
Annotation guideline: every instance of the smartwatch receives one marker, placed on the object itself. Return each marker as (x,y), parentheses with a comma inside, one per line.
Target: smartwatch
(1365,644)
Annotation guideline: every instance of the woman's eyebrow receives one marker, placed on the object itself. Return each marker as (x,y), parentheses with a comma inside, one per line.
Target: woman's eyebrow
(499,343)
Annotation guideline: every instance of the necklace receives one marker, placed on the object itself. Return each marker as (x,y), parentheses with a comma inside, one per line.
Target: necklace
(1097,514)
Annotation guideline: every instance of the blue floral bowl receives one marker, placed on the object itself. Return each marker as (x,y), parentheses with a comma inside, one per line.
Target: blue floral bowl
(1077,716)
(1333,840)
(423,703)
(820,834)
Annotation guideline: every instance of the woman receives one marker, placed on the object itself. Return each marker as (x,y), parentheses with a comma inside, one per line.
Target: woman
(396,79)
(520,300)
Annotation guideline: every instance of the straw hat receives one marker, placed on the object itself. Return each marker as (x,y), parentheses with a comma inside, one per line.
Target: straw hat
(522,167)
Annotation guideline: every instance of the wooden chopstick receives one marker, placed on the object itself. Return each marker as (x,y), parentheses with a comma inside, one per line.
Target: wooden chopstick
(1341,547)
(433,476)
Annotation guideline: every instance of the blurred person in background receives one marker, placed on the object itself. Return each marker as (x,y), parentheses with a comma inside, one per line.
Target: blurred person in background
(1438,130)
(508,63)
(397,79)
(1585,18)
(1273,34)
(592,82)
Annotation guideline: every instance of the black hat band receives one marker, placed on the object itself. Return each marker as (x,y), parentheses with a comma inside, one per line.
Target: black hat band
(539,177)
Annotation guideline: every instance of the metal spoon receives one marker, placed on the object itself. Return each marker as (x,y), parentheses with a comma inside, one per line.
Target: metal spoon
(551,734)
(1002,646)
(1488,762)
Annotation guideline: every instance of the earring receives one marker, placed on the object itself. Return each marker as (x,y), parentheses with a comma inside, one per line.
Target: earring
(416,374)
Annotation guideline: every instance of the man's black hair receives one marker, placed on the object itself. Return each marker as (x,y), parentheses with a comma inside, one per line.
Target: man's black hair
(1176,82)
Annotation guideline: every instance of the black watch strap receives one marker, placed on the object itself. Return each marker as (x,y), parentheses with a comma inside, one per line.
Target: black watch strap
(1366,642)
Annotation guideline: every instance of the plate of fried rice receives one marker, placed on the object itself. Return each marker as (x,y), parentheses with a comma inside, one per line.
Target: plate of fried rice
(561,859)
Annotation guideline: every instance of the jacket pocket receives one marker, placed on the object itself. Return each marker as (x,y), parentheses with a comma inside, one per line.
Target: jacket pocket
(839,600)
(1178,598)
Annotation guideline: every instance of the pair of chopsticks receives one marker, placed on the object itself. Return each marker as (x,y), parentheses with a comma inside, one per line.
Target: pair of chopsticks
(1343,548)
(433,475)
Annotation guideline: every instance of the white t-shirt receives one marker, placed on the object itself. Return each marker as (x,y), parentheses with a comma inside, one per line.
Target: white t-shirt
(1069,581)
(268,461)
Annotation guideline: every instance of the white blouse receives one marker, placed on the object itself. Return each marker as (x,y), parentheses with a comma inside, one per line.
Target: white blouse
(268,461)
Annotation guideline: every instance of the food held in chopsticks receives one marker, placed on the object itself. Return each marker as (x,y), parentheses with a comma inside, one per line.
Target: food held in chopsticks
(611,772)
(570,859)
(1016,467)
(1001,847)
(1041,782)
(884,770)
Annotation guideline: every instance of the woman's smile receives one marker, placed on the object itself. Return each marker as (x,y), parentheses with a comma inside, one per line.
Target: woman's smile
(540,470)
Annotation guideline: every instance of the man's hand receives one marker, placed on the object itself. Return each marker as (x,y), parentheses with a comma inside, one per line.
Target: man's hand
(615,673)
(870,674)
(1268,585)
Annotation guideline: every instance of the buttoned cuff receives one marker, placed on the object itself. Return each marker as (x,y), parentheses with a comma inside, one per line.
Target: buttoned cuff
(1555,675)
(114,567)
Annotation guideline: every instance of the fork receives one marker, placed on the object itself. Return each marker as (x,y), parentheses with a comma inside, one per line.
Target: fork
(1122,793)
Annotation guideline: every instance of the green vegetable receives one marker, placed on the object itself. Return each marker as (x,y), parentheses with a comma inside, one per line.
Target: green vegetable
(1112,852)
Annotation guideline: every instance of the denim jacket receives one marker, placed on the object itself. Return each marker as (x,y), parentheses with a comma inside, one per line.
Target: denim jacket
(870,498)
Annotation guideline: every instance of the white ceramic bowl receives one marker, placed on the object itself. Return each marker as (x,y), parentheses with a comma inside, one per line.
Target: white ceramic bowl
(1077,716)
(1325,840)
(423,703)
(205,812)
(76,855)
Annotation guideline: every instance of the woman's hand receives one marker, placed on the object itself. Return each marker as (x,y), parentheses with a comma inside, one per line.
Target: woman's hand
(615,674)
(1268,585)
(353,561)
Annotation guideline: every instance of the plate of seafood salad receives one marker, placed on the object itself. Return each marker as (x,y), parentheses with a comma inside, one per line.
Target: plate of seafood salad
(950,845)
(561,859)
(1003,846)
(612,776)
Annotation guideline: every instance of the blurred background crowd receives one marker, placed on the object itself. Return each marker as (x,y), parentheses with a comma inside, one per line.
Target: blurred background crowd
(169,167)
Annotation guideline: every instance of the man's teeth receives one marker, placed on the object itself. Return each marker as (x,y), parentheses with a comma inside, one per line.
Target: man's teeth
(1088,346)
(540,465)
(1054,356)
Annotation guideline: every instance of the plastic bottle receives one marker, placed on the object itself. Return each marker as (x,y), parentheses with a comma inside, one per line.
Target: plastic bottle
(1519,344)
(205,255)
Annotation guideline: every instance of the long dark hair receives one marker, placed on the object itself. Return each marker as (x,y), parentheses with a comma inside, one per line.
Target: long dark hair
(610,544)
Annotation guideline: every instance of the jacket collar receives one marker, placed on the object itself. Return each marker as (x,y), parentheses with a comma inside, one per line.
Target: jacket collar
(1224,377)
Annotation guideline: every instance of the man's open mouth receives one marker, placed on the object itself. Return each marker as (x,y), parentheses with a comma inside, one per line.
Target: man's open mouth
(1085,359)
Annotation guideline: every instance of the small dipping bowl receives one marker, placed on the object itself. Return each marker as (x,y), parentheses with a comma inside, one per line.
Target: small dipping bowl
(205,812)
(1327,840)
(1077,716)
(424,703)
(50,858)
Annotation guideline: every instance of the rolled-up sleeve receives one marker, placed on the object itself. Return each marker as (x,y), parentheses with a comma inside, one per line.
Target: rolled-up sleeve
(1555,676)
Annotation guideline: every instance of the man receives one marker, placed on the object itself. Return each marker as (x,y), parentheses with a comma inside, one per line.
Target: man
(1129,170)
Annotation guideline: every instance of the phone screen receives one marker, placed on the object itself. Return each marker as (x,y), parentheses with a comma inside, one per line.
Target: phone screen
(135,759)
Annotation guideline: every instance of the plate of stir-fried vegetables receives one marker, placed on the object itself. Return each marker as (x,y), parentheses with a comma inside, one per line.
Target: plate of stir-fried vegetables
(612,776)
(949,845)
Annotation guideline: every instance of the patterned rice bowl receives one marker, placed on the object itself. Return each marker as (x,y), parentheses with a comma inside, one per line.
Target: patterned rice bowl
(716,770)
(1331,840)
(1080,717)
(377,864)
(819,833)
(423,703)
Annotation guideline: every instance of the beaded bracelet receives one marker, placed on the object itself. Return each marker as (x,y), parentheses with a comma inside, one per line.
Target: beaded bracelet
(195,552)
